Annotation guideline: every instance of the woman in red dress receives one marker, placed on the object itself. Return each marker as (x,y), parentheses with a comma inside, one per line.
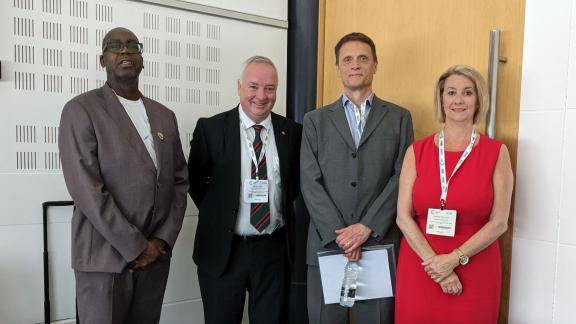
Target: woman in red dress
(452,213)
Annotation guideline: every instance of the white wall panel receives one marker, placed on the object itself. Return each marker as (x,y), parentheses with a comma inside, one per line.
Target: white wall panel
(538,175)
(21,296)
(564,310)
(277,9)
(49,55)
(532,282)
(568,178)
(542,280)
(545,62)
(21,196)
(571,90)
(189,312)
(182,283)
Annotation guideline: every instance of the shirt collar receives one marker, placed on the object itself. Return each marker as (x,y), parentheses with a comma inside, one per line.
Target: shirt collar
(247,122)
(368,100)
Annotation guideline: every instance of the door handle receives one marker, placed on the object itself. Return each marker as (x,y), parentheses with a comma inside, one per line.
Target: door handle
(494,59)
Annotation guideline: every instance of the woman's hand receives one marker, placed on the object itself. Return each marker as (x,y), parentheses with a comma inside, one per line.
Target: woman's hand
(451,284)
(440,266)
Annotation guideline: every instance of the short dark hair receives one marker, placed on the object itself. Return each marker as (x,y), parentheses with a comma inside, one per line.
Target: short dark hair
(355,37)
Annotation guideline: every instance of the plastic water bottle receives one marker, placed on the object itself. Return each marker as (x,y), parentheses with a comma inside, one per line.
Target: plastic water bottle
(348,291)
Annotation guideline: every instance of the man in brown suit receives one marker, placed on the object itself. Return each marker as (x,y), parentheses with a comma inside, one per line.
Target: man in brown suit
(124,168)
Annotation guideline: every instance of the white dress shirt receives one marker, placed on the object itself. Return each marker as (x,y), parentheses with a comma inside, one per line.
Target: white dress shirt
(243,226)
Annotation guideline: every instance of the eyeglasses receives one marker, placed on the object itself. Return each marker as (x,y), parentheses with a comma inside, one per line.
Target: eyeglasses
(116,47)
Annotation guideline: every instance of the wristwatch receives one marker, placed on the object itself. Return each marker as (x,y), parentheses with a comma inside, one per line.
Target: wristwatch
(463,259)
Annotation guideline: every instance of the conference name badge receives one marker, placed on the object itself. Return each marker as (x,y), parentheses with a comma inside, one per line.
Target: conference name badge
(441,222)
(255,191)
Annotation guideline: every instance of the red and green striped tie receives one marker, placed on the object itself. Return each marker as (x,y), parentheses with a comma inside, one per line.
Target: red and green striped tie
(259,212)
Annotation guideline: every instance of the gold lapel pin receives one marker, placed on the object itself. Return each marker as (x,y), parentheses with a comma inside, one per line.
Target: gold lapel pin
(160,136)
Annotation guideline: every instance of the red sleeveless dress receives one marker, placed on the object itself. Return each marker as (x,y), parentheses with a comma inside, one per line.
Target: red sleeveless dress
(470,193)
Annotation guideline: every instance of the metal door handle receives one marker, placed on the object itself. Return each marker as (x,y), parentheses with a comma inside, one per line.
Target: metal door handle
(494,59)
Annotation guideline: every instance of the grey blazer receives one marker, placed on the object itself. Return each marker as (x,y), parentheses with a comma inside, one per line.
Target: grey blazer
(120,199)
(344,185)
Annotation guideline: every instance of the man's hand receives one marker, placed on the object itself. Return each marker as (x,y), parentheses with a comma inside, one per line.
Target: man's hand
(354,255)
(154,249)
(352,237)
(159,244)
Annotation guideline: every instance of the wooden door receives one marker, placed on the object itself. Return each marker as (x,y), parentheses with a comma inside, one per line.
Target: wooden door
(416,41)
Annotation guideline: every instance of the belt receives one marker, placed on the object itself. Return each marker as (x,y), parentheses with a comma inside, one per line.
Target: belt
(279,232)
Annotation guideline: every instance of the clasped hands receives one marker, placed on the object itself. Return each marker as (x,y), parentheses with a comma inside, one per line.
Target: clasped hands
(154,249)
(351,238)
(440,268)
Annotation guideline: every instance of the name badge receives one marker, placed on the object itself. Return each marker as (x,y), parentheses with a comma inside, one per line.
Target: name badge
(255,191)
(441,222)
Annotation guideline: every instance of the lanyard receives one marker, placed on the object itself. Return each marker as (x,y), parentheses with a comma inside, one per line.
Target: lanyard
(360,114)
(250,144)
(441,156)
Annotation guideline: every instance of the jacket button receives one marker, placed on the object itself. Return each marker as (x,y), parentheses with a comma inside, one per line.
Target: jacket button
(353,184)
(354,155)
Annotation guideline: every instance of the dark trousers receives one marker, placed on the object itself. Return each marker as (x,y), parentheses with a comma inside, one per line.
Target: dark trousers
(122,298)
(256,267)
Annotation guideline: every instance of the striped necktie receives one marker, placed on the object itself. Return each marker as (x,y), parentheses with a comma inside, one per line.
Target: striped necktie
(259,212)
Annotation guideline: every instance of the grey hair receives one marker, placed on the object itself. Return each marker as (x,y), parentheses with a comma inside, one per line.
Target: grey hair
(256,59)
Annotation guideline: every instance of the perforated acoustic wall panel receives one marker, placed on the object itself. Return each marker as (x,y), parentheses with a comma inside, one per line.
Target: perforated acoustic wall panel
(49,54)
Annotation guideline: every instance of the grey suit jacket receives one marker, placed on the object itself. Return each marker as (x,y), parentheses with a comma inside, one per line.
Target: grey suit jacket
(344,185)
(120,199)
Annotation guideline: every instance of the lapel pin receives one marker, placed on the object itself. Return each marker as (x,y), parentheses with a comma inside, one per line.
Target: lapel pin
(160,136)
(283,132)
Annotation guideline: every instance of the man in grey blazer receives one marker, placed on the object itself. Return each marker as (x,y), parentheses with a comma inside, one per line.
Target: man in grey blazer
(351,156)
(125,170)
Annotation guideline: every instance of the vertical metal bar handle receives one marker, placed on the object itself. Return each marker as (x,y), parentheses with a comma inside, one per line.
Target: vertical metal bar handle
(493,60)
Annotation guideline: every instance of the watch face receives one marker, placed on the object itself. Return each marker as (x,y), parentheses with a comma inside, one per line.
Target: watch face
(464,259)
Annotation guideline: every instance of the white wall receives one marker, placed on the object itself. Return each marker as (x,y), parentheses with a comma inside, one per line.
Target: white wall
(276,9)
(56,43)
(543,282)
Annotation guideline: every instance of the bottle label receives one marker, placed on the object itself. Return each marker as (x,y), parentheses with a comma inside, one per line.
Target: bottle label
(348,293)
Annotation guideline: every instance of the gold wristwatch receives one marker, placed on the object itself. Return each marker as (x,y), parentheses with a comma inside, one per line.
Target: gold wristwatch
(463,259)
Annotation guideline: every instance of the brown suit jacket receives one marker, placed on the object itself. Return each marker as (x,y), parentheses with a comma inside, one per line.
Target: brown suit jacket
(120,199)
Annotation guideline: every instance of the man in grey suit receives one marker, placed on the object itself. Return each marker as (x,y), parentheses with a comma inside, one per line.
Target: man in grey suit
(125,170)
(351,156)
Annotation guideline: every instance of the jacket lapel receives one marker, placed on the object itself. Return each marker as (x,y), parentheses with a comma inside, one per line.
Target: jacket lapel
(282,145)
(157,131)
(126,127)
(339,120)
(376,115)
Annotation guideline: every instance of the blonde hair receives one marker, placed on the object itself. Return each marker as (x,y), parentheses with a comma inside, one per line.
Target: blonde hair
(480,86)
